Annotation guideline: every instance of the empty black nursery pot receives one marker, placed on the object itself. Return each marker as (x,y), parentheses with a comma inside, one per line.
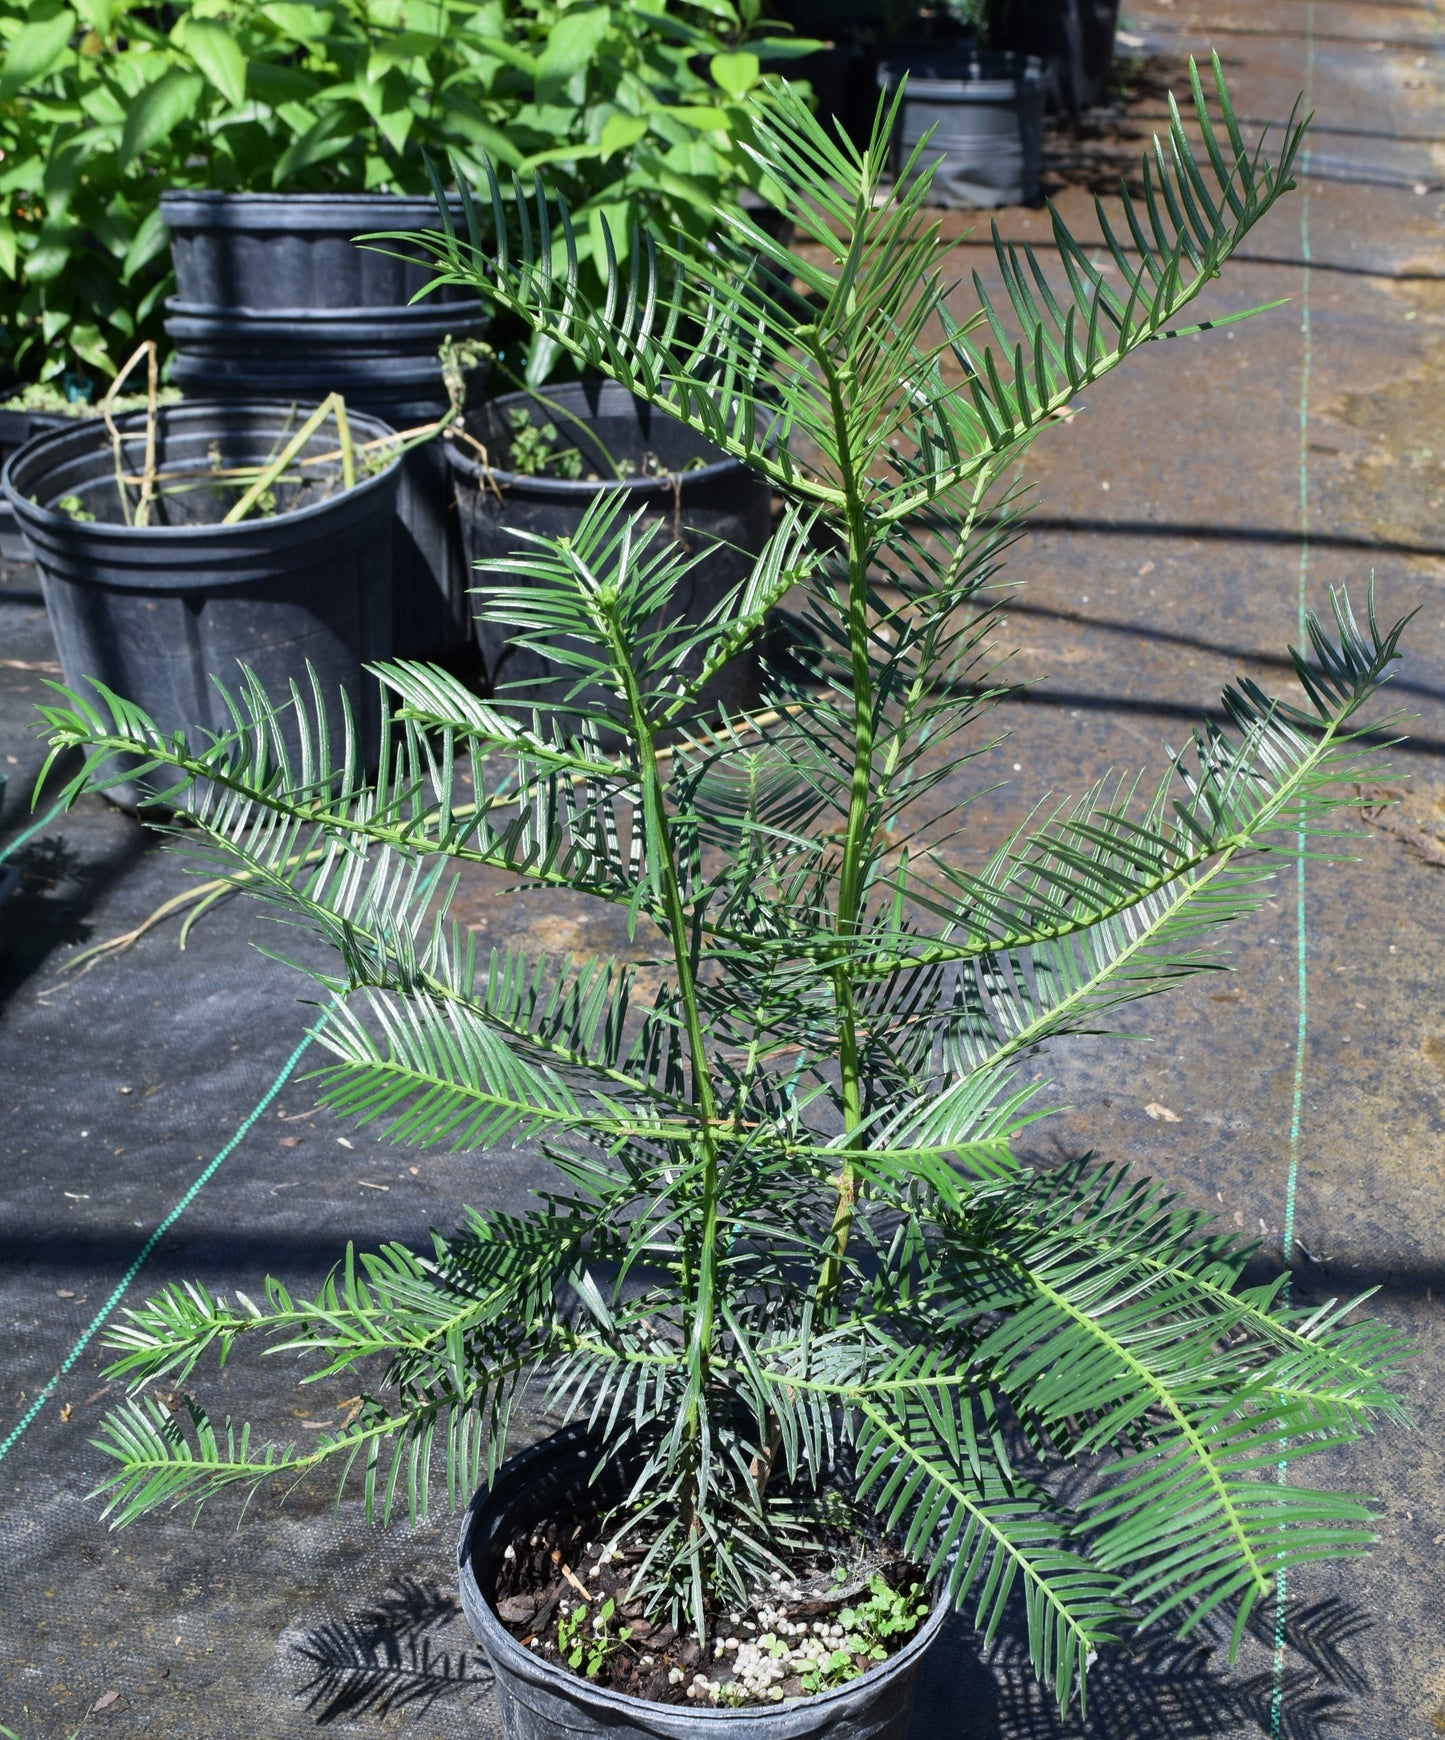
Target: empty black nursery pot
(293,251)
(274,299)
(540,1699)
(987,114)
(718,505)
(155,612)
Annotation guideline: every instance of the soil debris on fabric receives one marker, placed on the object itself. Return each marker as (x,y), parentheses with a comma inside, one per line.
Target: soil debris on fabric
(1396,810)
(566,1593)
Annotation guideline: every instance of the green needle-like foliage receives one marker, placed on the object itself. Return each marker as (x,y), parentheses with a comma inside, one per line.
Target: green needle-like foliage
(785,1232)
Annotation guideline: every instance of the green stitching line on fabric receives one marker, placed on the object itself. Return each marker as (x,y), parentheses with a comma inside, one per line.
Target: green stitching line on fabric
(30,832)
(1276,1698)
(118,1292)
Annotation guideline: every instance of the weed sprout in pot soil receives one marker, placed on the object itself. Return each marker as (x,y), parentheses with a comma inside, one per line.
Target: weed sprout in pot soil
(785,1267)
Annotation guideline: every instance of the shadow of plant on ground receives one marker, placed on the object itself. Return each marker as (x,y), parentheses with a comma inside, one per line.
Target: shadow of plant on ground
(411,1649)
(406,1652)
(1159,1688)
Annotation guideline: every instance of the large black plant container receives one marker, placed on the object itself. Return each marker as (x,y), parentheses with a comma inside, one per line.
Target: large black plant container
(986,113)
(156,612)
(275,300)
(1073,38)
(539,1700)
(717,505)
(282,251)
(16,428)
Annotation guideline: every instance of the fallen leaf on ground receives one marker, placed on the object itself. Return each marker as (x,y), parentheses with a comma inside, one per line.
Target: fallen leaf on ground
(105,1700)
(1156,1111)
(289,1141)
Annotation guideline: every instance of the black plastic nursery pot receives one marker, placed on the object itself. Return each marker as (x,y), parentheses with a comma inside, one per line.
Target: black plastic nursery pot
(16,428)
(539,1700)
(431,614)
(275,300)
(986,112)
(288,251)
(1073,38)
(718,506)
(155,612)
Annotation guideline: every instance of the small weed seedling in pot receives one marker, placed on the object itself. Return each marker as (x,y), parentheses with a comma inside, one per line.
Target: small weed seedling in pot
(536,449)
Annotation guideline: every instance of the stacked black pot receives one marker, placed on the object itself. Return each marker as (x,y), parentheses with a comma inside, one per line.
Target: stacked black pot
(275,301)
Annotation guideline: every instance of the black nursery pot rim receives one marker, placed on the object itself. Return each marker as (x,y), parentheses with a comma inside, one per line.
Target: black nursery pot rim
(221,210)
(31,457)
(652,1717)
(578,489)
(984,76)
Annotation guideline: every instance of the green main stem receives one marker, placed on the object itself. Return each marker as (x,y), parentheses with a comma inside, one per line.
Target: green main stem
(699,1289)
(856,841)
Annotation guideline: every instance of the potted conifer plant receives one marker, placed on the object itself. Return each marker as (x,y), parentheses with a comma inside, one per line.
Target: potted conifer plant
(834,1360)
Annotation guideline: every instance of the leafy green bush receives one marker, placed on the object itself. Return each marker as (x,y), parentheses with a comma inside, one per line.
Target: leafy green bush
(636,110)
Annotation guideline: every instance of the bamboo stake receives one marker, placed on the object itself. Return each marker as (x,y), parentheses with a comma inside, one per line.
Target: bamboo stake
(148,481)
(333,403)
(348,456)
(107,406)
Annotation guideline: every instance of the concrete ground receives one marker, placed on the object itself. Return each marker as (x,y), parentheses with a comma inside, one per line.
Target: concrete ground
(1184,515)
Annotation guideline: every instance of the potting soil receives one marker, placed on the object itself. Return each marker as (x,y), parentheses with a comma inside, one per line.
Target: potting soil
(158,1125)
